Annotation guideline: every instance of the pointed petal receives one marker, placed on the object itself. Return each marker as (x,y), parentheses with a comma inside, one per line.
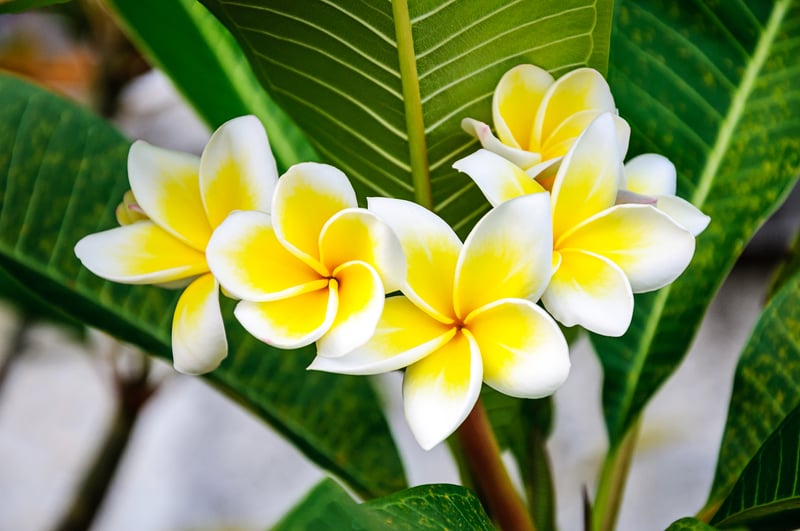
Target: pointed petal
(507,255)
(626,197)
(515,102)
(140,253)
(582,89)
(305,199)
(588,179)
(498,179)
(237,169)
(522,158)
(431,248)
(524,352)
(198,332)
(651,174)
(649,246)
(685,213)
(358,234)
(293,322)
(590,291)
(404,335)
(360,305)
(441,389)
(251,264)
(167,188)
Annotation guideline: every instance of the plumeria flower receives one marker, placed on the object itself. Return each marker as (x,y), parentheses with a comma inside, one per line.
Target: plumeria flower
(537,118)
(653,178)
(602,252)
(467,314)
(176,201)
(316,269)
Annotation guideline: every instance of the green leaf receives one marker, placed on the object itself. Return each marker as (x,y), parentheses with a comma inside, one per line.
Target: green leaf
(767,494)
(62,173)
(714,87)
(207,66)
(16,6)
(689,524)
(766,387)
(381,88)
(427,507)
(787,268)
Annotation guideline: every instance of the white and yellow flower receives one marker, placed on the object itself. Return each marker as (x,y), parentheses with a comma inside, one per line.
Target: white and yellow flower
(602,252)
(176,201)
(316,269)
(537,118)
(468,314)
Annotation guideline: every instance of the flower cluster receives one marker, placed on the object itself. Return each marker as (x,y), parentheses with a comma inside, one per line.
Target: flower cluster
(569,225)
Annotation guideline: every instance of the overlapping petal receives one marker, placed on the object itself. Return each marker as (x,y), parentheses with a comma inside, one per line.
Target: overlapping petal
(651,174)
(140,253)
(591,291)
(165,184)
(198,331)
(516,100)
(250,263)
(356,234)
(684,213)
(524,352)
(440,390)
(292,322)
(589,177)
(361,297)
(648,245)
(305,199)
(403,335)
(521,157)
(507,255)
(431,249)
(237,169)
(498,178)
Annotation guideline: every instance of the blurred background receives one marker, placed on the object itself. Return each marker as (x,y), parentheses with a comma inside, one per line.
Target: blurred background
(94,435)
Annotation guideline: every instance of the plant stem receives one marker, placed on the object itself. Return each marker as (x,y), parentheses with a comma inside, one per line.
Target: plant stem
(495,489)
(613,476)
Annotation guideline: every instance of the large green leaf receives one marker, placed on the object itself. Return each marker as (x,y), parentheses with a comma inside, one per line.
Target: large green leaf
(715,87)
(428,507)
(381,87)
(766,387)
(689,524)
(767,494)
(208,68)
(62,172)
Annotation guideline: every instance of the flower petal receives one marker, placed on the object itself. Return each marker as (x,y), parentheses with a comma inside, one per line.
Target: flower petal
(293,322)
(198,331)
(431,248)
(521,157)
(651,174)
(251,264)
(498,179)
(404,334)
(305,199)
(360,305)
(140,253)
(589,176)
(358,234)
(579,90)
(685,213)
(507,255)
(441,389)
(167,188)
(524,351)
(515,102)
(237,169)
(590,291)
(649,246)
(559,142)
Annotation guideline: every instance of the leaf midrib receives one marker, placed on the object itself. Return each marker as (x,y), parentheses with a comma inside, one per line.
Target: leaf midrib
(713,163)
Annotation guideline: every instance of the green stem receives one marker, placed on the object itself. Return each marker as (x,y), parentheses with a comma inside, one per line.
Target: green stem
(415,125)
(482,455)
(613,476)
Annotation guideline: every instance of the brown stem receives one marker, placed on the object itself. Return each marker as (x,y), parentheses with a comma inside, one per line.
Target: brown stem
(482,455)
